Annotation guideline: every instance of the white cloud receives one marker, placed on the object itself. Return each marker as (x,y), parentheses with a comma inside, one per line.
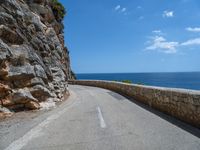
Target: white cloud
(123,10)
(196,29)
(168,14)
(161,44)
(117,7)
(157,31)
(191,42)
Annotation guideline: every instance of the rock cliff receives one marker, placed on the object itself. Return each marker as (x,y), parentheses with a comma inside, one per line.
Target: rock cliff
(34,62)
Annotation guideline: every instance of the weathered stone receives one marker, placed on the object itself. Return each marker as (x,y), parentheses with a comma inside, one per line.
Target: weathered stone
(49,17)
(6,19)
(4,112)
(32,105)
(4,90)
(22,72)
(5,51)
(61,39)
(31,43)
(31,29)
(22,96)
(57,27)
(38,8)
(58,74)
(7,102)
(50,103)
(19,50)
(14,7)
(40,72)
(39,1)
(40,92)
(39,26)
(27,82)
(10,36)
(3,72)
(52,36)
(36,81)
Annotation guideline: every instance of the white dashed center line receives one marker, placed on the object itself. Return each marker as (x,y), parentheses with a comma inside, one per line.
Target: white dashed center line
(101,120)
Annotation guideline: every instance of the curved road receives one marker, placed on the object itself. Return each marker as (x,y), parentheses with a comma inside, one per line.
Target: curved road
(98,119)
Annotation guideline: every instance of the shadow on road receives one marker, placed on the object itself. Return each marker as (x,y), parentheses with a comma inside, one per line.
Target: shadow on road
(116,96)
(189,128)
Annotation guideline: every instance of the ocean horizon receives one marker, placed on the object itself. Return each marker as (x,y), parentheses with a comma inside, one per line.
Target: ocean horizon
(184,80)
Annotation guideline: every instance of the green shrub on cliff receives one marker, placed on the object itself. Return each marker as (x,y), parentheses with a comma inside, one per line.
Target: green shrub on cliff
(127,81)
(58,10)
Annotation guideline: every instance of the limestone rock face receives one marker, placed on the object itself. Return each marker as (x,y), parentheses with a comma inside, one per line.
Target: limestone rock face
(34,62)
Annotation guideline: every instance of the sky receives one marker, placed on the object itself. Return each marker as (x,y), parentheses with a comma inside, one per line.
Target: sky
(121,36)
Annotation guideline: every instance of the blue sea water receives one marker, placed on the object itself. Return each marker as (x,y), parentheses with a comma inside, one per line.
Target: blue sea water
(186,80)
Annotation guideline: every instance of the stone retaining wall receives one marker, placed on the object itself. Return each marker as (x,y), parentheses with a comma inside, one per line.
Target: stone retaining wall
(180,103)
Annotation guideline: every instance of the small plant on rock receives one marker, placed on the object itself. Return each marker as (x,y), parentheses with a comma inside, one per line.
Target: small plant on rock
(127,81)
(58,10)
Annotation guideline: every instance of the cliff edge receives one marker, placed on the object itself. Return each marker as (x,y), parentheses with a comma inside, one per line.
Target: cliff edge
(34,62)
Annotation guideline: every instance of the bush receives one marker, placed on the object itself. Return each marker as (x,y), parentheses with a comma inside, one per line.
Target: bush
(127,81)
(58,10)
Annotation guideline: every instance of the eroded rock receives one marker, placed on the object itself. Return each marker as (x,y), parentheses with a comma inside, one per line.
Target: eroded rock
(10,36)
(20,72)
(34,63)
(4,112)
(32,105)
(5,51)
(40,92)
(4,90)
(22,96)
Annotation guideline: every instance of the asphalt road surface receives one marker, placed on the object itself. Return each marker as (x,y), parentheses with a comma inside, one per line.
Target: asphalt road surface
(98,119)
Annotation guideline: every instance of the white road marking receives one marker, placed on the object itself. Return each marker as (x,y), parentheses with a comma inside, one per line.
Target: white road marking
(101,120)
(37,131)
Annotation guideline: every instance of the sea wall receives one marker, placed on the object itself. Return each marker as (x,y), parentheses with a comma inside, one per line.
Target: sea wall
(180,103)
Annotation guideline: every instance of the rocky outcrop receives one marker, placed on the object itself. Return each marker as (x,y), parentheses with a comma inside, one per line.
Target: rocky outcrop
(34,62)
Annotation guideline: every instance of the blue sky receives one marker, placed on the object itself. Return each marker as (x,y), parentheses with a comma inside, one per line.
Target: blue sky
(109,36)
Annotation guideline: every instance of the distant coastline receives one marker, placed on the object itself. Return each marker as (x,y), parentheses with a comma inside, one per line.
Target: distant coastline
(185,80)
(138,72)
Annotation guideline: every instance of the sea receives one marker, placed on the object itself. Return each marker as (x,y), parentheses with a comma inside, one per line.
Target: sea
(184,80)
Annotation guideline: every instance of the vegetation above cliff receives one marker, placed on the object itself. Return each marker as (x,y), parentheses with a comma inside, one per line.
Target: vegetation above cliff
(58,10)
